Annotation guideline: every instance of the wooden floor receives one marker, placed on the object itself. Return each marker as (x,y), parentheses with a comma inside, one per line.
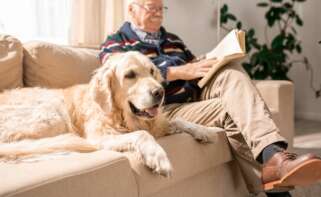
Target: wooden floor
(307,139)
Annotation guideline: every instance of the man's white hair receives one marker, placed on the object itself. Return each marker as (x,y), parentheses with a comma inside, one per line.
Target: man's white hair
(135,1)
(130,3)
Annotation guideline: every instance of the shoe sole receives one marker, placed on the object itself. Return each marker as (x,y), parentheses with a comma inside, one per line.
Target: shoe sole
(305,174)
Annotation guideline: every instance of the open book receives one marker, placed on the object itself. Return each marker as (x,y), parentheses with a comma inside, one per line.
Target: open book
(231,48)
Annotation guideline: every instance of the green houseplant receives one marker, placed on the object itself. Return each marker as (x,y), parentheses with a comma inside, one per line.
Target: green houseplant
(272,58)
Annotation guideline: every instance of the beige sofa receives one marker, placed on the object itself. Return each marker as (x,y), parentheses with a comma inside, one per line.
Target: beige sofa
(199,170)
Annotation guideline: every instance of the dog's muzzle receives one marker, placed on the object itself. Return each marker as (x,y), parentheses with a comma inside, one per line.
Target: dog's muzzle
(150,112)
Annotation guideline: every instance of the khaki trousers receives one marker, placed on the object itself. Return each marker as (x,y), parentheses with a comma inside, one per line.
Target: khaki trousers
(232,102)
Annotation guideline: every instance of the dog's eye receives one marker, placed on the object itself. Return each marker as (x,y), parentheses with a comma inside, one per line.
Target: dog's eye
(130,75)
(152,71)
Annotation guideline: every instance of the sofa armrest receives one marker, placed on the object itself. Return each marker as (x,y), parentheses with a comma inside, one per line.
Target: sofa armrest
(279,97)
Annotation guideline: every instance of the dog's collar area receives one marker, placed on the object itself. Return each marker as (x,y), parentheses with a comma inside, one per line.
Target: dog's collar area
(143,113)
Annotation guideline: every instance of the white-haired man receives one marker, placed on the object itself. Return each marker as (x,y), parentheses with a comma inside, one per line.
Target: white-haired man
(229,100)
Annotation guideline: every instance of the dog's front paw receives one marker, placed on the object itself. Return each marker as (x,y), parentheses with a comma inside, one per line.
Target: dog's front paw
(173,129)
(206,135)
(158,161)
(202,136)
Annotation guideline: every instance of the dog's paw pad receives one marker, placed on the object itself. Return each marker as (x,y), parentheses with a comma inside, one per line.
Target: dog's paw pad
(159,163)
(202,136)
(164,169)
(202,139)
(207,135)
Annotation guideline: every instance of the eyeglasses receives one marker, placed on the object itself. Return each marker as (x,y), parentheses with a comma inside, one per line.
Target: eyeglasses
(153,9)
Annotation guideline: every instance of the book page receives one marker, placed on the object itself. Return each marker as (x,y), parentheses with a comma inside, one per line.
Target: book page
(231,48)
(232,43)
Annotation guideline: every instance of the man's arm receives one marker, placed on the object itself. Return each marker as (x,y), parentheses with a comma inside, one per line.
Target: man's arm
(194,69)
(190,71)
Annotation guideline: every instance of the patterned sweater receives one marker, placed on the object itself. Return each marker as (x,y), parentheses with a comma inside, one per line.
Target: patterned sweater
(171,51)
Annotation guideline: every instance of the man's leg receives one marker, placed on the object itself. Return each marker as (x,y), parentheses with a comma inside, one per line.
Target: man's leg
(246,107)
(210,113)
(237,96)
(242,101)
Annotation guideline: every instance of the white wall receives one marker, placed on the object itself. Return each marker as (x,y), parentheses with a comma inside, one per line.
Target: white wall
(306,105)
(192,21)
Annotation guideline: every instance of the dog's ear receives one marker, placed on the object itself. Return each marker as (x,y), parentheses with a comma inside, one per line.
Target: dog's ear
(158,76)
(101,87)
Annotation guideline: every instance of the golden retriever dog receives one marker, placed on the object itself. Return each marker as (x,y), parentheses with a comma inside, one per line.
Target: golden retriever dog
(120,110)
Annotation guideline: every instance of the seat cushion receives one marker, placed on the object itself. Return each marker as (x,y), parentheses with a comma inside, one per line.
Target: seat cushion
(107,173)
(188,158)
(99,174)
(56,66)
(11,54)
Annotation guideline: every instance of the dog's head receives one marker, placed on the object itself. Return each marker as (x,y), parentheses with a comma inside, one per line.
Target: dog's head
(129,82)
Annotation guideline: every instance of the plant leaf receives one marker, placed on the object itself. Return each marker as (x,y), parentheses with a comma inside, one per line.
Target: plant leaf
(288,5)
(239,25)
(251,33)
(293,30)
(231,16)
(298,48)
(262,4)
(224,9)
(277,42)
(298,20)
(276,1)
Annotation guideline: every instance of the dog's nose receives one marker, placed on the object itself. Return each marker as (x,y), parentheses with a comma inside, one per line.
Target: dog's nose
(158,93)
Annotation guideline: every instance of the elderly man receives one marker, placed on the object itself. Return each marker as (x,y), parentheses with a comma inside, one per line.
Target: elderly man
(229,100)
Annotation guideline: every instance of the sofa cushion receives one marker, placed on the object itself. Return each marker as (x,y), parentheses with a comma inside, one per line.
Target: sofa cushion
(56,66)
(99,174)
(188,158)
(10,62)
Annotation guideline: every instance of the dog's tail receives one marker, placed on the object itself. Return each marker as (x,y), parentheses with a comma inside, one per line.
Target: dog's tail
(29,148)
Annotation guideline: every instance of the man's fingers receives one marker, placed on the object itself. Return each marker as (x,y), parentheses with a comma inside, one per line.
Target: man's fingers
(213,61)
(208,63)
(201,73)
(205,70)
(204,66)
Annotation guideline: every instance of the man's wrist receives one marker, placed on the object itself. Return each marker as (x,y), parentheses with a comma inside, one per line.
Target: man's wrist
(174,73)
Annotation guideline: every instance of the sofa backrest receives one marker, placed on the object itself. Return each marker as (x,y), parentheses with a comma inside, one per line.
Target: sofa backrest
(55,66)
(44,64)
(11,54)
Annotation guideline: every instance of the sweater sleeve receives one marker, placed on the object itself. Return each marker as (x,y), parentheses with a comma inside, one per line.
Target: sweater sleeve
(188,53)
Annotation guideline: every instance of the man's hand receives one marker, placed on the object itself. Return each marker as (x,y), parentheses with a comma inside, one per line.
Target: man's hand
(190,71)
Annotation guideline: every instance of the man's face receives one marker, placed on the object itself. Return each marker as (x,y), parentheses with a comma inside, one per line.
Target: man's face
(147,14)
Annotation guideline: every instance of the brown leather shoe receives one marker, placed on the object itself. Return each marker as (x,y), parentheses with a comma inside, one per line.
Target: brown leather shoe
(286,170)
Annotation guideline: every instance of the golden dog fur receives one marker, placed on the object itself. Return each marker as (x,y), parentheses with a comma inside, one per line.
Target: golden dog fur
(89,117)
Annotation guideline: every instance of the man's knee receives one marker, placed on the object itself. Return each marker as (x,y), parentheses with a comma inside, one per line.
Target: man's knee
(235,71)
